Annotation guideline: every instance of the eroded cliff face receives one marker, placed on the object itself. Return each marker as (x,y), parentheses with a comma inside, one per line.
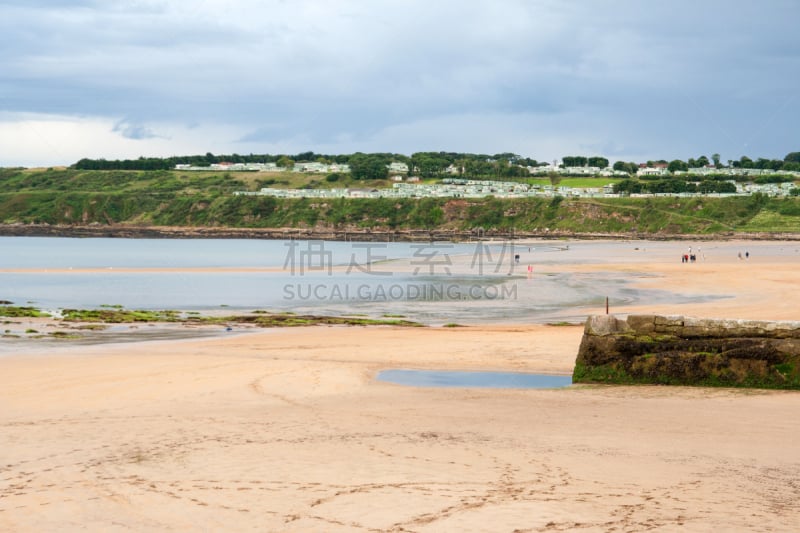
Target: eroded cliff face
(678,350)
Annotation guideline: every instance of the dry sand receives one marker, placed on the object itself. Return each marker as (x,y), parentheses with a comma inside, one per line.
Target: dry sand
(287,430)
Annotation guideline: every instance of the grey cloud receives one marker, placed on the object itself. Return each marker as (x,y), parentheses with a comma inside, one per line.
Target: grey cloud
(133,131)
(45,4)
(653,77)
(270,133)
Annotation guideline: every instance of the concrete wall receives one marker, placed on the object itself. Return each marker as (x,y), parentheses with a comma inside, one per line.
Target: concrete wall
(680,350)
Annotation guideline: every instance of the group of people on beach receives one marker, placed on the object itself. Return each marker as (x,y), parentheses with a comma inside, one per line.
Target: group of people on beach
(690,257)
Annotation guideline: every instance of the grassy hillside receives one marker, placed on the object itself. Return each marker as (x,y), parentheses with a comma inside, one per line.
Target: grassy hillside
(167,198)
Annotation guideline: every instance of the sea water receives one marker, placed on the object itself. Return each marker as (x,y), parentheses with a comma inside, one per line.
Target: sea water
(435,283)
(457,378)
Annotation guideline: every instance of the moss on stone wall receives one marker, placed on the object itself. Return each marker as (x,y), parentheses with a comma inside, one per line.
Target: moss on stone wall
(688,351)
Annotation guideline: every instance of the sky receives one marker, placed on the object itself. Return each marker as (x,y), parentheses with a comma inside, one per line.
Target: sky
(630,80)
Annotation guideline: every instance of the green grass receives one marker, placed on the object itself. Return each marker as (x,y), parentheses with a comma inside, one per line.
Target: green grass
(170,198)
(261,318)
(92,327)
(291,320)
(782,376)
(21,312)
(771,221)
(63,335)
(116,316)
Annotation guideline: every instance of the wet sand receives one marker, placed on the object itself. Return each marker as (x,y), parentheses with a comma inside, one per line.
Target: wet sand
(286,430)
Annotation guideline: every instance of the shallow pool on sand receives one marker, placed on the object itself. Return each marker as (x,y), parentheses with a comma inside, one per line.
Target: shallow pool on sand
(459,378)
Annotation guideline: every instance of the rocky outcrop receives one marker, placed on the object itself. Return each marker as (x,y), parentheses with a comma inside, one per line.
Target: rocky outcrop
(682,350)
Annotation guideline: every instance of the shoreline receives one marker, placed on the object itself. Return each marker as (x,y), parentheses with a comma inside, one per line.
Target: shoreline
(362,235)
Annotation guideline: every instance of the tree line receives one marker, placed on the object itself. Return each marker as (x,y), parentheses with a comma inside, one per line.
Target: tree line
(581,161)
(789,163)
(442,164)
(363,166)
(166,163)
(434,164)
(673,186)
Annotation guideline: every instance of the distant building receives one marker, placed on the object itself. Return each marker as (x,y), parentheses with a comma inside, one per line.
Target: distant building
(466,188)
(660,170)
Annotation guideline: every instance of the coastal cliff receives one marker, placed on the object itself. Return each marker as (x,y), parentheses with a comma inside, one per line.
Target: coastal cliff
(348,233)
(71,202)
(678,350)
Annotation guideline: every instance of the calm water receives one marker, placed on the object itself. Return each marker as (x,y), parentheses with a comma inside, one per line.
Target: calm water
(58,252)
(434,283)
(493,380)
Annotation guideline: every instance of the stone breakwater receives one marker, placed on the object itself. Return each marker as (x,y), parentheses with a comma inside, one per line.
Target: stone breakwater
(679,350)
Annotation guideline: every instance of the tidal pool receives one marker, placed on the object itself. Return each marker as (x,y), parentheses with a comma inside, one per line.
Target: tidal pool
(473,379)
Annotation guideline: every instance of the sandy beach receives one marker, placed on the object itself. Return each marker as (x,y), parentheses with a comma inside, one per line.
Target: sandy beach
(287,429)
